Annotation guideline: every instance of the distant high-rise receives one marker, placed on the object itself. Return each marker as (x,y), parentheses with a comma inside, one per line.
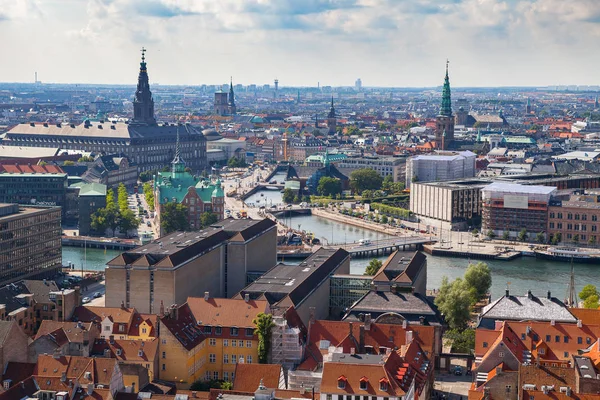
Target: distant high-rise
(143,103)
(596,102)
(358,84)
(276,86)
(444,132)
(528,106)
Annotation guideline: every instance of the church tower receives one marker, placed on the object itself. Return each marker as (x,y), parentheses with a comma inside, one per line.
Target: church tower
(231,99)
(444,126)
(331,119)
(528,106)
(143,104)
(177,165)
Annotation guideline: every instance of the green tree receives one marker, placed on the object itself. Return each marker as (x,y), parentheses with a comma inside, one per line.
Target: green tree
(592,240)
(556,238)
(479,277)
(367,194)
(522,236)
(122,198)
(149,195)
(99,221)
(388,181)
(264,326)
(208,218)
(235,162)
(173,217)
(329,186)
(505,235)
(110,199)
(288,196)
(576,238)
(352,130)
(68,163)
(454,301)
(127,221)
(540,237)
(365,179)
(205,386)
(384,219)
(587,291)
(475,232)
(491,234)
(373,267)
(591,302)
(86,159)
(463,341)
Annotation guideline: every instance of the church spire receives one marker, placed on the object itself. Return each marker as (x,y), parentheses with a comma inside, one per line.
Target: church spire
(178,165)
(331,110)
(143,103)
(446,108)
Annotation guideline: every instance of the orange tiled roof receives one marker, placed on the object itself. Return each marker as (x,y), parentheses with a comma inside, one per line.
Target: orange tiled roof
(64,332)
(30,169)
(248,376)
(127,350)
(226,312)
(100,369)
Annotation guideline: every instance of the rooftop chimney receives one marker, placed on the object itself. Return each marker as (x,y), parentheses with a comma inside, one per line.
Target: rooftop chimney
(549,295)
(206,296)
(367,322)
(529,295)
(90,389)
(507,292)
(247,297)
(351,328)
(579,323)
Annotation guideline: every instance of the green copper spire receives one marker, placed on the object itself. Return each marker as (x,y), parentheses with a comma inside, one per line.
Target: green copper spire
(446,108)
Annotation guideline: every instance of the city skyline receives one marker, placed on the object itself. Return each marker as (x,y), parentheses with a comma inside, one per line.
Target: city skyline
(490,43)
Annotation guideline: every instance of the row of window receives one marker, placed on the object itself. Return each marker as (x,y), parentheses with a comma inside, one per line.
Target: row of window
(576,217)
(212,358)
(363,384)
(215,375)
(349,397)
(576,227)
(234,343)
(208,330)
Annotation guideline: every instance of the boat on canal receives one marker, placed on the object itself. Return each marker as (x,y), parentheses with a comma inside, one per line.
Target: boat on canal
(578,255)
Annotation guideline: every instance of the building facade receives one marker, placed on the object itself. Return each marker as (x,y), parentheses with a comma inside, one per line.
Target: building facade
(576,217)
(510,207)
(30,242)
(384,166)
(443,166)
(218,259)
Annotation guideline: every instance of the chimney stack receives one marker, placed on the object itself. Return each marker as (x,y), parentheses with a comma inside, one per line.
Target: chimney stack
(351,328)
(579,323)
(367,322)
(247,297)
(549,295)
(529,295)
(206,296)
(507,293)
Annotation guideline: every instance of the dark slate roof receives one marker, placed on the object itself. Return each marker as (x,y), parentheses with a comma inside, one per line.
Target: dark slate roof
(411,306)
(5,327)
(41,289)
(525,308)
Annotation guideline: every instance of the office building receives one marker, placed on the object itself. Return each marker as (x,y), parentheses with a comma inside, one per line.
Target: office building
(509,207)
(384,166)
(147,144)
(575,217)
(30,243)
(442,166)
(447,205)
(220,259)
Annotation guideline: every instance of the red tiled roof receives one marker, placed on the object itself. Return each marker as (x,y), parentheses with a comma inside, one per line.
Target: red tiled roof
(226,312)
(248,376)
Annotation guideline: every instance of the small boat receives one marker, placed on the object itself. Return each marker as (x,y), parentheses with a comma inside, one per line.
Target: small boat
(578,255)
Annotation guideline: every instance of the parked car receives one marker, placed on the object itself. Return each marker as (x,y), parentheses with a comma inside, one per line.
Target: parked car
(97,294)
(86,300)
(458,370)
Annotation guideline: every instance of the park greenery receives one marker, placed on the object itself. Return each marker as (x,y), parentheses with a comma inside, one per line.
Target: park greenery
(173,217)
(329,186)
(149,194)
(373,267)
(116,214)
(365,179)
(237,162)
(391,211)
(590,296)
(202,385)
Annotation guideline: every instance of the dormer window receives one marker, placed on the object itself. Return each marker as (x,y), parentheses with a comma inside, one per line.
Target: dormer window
(364,381)
(383,384)
(342,382)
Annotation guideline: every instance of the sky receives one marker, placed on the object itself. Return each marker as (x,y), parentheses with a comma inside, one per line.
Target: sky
(393,43)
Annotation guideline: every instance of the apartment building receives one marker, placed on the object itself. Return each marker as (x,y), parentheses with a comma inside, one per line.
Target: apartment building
(384,166)
(575,217)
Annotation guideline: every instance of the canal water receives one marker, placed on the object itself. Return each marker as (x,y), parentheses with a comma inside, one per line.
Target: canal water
(521,274)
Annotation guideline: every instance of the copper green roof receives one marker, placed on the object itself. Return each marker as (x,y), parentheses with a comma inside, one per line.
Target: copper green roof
(170,187)
(446,108)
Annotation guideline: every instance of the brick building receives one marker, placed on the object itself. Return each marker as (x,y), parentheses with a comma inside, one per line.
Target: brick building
(576,217)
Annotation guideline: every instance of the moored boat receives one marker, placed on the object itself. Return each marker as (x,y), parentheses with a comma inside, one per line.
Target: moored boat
(569,254)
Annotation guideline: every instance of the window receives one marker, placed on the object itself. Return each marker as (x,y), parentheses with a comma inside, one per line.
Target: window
(208,330)
(225,342)
(234,331)
(594,218)
(164,354)
(557,339)
(341,383)
(363,385)
(207,375)
(107,328)
(226,375)
(523,336)
(241,343)
(566,339)
(566,354)
(164,341)
(233,359)
(218,330)
(212,341)
(383,386)
(212,358)
(249,332)
(569,216)
(143,330)
(164,367)
(548,338)
(500,354)
(328,397)
(507,389)
(542,351)
(225,358)
(249,359)
(216,375)
(579,340)
(121,328)
(249,344)
(588,340)
(233,343)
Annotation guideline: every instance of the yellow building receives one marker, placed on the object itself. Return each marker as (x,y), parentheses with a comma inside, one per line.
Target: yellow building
(206,337)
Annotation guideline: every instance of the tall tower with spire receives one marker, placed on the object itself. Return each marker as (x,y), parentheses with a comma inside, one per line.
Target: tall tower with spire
(177,165)
(445,119)
(143,103)
(331,119)
(528,106)
(231,99)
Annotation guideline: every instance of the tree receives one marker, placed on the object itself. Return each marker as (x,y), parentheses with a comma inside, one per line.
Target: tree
(329,186)
(384,219)
(173,217)
(592,240)
(587,291)
(592,302)
(475,232)
(86,159)
(205,386)
(149,195)
(576,238)
(365,179)
(463,341)
(122,198)
(208,218)
(99,221)
(110,199)
(540,237)
(264,325)
(373,267)
(479,277)
(68,163)
(367,194)
(556,238)
(522,236)
(127,221)
(288,196)
(505,235)
(454,301)
(235,162)
(491,234)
